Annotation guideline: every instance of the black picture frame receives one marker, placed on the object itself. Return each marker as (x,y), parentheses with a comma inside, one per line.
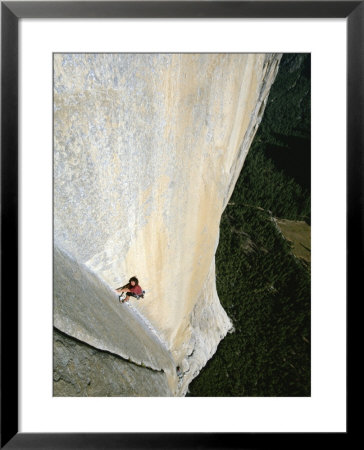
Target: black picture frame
(11,12)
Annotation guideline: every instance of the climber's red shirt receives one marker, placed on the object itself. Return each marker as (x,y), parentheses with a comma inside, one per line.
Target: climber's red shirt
(136,290)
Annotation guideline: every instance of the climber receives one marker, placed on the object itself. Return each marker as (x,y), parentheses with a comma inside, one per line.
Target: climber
(131,289)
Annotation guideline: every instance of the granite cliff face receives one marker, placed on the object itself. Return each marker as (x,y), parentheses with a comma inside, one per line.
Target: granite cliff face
(147,151)
(101,347)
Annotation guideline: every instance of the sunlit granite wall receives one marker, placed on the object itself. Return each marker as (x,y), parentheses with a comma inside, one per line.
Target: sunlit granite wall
(147,151)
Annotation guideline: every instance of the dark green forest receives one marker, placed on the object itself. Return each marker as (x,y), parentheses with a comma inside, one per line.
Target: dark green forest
(264,289)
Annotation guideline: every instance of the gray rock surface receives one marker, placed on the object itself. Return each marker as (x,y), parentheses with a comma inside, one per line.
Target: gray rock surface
(86,309)
(80,370)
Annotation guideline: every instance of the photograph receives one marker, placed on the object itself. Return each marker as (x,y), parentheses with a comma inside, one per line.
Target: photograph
(181,224)
(182,204)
